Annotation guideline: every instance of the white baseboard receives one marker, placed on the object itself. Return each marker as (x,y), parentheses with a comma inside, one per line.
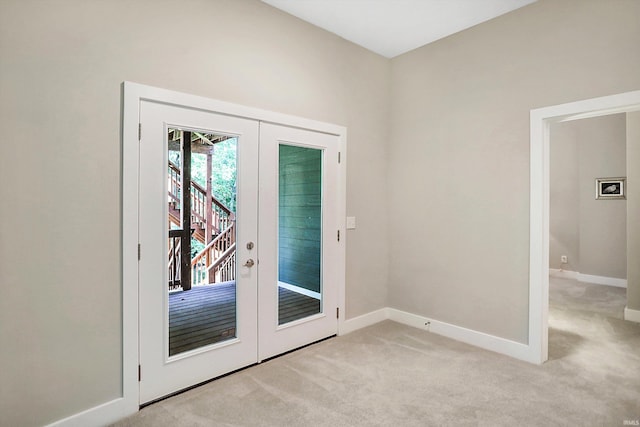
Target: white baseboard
(479,339)
(588,278)
(563,274)
(363,321)
(631,315)
(602,280)
(468,336)
(100,415)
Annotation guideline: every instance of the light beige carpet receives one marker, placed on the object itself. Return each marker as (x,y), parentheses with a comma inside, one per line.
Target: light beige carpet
(394,375)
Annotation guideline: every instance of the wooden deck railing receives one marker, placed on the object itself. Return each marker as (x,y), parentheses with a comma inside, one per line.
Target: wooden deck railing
(174,258)
(174,184)
(224,269)
(216,262)
(220,215)
(214,255)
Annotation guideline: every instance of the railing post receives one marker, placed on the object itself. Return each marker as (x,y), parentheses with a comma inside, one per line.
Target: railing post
(208,205)
(185,279)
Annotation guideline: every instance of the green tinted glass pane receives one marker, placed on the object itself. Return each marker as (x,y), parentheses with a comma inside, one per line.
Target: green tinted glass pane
(299,232)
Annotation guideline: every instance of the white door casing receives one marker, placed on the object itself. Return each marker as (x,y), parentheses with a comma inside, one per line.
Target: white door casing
(210,115)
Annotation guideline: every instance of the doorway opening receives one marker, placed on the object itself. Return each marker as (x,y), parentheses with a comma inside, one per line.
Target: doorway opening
(540,122)
(587,235)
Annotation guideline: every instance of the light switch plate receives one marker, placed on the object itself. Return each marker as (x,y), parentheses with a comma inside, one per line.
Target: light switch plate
(351,223)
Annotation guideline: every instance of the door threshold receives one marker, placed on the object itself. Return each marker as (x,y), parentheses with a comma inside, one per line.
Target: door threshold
(296,349)
(191,387)
(175,393)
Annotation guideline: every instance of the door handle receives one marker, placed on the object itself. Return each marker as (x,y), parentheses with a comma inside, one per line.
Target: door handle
(249,263)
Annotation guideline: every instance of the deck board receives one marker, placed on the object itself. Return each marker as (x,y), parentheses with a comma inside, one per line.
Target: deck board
(206,314)
(293,306)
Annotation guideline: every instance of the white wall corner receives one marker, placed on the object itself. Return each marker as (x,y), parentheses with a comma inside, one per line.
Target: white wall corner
(631,315)
(100,415)
(362,321)
(478,339)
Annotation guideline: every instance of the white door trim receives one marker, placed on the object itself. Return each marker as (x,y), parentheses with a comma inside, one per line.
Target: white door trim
(133,94)
(541,118)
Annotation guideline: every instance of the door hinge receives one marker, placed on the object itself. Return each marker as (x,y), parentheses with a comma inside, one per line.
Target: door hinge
(139,131)
(339,156)
(139,373)
(338,235)
(337,312)
(139,251)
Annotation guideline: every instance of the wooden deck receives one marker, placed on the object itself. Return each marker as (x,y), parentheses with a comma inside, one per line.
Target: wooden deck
(293,306)
(207,314)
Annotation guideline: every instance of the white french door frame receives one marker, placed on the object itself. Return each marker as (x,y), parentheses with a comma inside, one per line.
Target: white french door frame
(275,338)
(133,95)
(541,119)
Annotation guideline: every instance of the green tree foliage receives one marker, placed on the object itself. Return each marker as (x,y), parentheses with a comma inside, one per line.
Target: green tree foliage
(223,175)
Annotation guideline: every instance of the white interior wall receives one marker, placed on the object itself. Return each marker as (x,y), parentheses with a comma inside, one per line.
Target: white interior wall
(633,209)
(564,198)
(459,165)
(603,223)
(456,113)
(61,72)
(592,233)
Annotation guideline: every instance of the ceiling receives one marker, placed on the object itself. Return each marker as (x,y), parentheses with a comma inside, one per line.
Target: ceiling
(393,27)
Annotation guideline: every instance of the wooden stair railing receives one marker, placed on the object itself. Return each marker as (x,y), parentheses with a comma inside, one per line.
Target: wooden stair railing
(213,256)
(175,244)
(216,262)
(224,269)
(221,216)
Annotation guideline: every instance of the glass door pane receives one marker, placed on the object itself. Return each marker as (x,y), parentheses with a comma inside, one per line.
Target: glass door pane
(299,232)
(202,239)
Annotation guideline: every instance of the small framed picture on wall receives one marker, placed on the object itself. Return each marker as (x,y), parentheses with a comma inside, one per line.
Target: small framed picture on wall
(611,188)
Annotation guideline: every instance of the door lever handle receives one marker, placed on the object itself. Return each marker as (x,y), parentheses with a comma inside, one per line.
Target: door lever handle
(249,263)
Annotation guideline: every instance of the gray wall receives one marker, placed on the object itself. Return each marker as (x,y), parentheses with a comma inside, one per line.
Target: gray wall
(564,197)
(633,206)
(60,74)
(457,159)
(459,167)
(592,233)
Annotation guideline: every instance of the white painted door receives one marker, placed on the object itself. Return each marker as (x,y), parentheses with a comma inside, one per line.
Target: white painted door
(181,348)
(299,247)
(287,249)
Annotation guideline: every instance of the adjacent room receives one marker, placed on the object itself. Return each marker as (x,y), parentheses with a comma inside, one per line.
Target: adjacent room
(588,234)
(428,144)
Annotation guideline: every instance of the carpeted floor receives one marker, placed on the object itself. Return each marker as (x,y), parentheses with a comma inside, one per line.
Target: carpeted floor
(394,375)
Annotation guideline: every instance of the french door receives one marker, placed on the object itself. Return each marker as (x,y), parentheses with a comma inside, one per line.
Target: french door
(237,233)
(298,236)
